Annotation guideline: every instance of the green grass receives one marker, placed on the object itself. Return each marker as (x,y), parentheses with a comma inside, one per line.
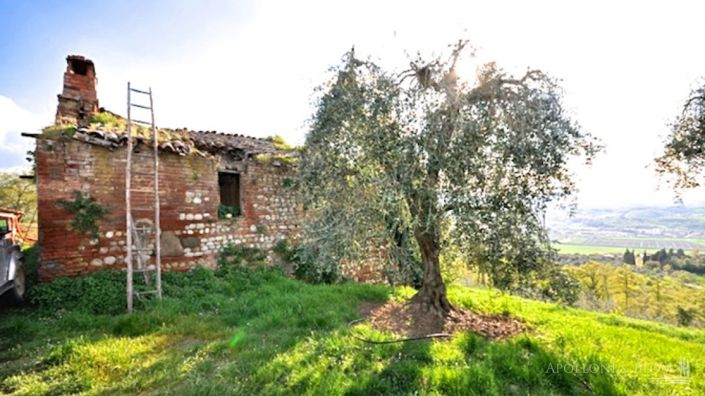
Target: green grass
(259,333)
(586,249)
(577,248)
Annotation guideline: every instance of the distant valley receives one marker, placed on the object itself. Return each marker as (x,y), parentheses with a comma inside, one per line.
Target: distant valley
(613,230)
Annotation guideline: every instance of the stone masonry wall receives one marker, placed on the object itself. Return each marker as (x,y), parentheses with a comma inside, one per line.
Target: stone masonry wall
(192,234)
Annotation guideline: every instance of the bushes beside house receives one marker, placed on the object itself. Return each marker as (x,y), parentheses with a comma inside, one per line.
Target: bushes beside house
(103,292)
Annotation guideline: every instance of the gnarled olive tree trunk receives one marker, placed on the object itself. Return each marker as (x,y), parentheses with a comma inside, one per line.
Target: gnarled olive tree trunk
(432,295)
(427,231)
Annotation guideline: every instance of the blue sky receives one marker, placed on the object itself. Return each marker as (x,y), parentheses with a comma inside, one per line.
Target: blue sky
(251,67)
(37,36)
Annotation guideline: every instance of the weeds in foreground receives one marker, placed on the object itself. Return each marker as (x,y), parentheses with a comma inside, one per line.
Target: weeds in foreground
(256,332)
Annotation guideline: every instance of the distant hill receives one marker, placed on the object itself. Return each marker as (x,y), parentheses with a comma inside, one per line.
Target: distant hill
(633,227)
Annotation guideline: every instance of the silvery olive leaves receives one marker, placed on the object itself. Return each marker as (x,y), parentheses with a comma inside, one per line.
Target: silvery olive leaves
(390,156)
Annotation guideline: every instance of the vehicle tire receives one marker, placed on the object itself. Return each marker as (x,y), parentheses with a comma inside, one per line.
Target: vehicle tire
(17,293)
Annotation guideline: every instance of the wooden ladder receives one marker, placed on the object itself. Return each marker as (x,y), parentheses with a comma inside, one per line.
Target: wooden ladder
(139,249)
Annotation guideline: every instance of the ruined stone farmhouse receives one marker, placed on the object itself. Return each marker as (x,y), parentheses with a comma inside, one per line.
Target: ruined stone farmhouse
(200,172)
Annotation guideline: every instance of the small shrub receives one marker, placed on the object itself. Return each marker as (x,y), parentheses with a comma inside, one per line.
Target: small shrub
(86,211)
(234,257)
(101,292)
(30,258)
(262,229)
(305,267)
(197,278)
(561,287)
(279,143)
(685,316)
(288,182)
(308,271)
(225,210)
(283,249)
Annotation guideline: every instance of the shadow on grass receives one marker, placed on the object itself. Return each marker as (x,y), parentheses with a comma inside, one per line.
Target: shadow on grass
(522,367)
(260,333)
(337,364)
(239,321)
(401,375)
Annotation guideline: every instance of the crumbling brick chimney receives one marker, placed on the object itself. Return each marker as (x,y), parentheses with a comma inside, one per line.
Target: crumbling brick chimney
(79,99)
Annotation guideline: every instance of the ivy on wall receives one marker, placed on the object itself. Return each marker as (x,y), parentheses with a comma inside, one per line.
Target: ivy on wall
(86,213)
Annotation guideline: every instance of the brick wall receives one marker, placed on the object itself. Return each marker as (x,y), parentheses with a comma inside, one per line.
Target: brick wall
(189,195)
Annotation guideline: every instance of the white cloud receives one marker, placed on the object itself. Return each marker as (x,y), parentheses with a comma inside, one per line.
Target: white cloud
(13,121)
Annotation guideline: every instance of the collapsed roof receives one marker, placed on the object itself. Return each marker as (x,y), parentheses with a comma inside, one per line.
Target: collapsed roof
(79,117)
(109,130)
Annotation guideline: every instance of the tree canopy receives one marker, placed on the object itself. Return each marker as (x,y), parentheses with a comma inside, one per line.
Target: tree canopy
(415,160)
(18,195)
(684,153)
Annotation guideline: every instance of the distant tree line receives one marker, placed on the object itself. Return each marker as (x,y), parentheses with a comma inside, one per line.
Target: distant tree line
(629,257)
(675,258)
(664,256)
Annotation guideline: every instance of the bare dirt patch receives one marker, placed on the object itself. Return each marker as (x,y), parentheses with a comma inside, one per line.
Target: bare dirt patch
(410,320)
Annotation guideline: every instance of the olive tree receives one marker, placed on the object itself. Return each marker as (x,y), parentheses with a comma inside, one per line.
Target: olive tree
(411,153)
(18,194)
(684,155)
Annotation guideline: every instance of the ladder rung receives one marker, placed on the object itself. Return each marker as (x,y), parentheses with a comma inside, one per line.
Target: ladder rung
(139,91)
(141,251)
(140,106)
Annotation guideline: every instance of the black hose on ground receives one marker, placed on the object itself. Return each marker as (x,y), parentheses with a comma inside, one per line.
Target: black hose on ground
(423,337)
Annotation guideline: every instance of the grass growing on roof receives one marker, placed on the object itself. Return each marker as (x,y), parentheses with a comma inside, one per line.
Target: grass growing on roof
(111,122)
(108,119)
(256,332)
(285,159)
(57,131)
(280,143)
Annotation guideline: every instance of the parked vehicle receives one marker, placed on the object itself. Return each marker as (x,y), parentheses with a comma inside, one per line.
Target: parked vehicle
(12,272)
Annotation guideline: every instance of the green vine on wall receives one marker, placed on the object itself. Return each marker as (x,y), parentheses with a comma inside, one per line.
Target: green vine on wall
(262,229)
(86,211)
(228,212)
(289,182)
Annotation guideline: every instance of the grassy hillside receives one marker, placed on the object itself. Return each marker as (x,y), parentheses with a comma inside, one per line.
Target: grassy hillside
(669,296)
(259,333)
